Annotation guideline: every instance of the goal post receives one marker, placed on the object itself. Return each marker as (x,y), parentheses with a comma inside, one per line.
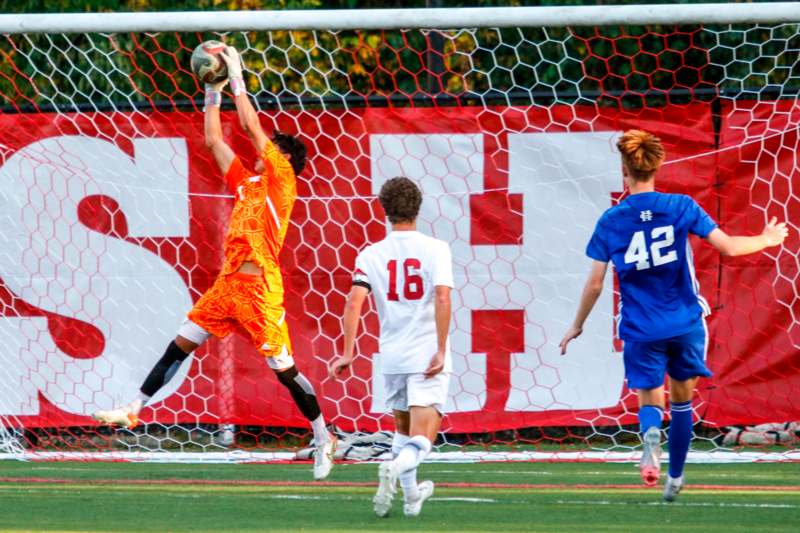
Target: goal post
(400,19)
(113,215)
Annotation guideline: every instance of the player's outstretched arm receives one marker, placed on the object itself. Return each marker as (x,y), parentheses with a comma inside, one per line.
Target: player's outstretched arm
(248,118)
(773,235)
(215,142)
(442,312)
(591,292)
(352,313)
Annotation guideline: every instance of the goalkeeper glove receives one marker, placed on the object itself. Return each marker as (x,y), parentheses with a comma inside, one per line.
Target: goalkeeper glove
(234,62)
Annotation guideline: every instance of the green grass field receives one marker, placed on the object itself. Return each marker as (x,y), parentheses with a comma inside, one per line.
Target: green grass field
(525,497)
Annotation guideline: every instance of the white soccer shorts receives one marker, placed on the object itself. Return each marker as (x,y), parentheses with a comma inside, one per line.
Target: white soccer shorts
(405,390)
(282,361)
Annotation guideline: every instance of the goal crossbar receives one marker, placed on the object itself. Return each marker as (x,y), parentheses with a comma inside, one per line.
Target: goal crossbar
(372,19)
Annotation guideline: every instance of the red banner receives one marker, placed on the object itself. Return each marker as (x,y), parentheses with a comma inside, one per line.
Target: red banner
(756,350)
(508,375)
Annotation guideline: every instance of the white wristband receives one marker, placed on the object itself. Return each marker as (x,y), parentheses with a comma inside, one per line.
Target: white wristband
(213,98)
(237,86)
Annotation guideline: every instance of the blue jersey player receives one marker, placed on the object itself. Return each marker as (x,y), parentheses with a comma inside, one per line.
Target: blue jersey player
(662,323)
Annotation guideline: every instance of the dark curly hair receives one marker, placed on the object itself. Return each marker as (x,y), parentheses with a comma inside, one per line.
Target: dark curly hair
(292,145)
(400,198)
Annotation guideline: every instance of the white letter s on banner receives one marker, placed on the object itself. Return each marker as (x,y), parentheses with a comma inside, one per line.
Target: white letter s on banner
(50,260)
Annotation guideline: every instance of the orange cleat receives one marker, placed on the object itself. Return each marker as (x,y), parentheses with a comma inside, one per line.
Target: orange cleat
(650,475)
(117,417)
(650,464)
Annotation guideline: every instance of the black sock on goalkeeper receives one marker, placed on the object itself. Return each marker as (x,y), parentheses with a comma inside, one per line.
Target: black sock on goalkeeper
(306,399)
(302,392)
(164,369)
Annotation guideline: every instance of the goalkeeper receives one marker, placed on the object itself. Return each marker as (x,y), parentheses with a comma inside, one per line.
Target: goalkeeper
(646,236)
(249,290)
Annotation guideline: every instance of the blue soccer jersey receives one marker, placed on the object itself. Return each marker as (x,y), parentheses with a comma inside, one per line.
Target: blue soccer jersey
(647,237)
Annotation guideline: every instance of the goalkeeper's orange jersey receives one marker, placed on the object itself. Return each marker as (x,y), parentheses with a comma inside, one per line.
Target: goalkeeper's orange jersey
(261,214)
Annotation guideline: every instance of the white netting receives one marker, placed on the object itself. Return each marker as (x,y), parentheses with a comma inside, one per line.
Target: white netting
(113,217)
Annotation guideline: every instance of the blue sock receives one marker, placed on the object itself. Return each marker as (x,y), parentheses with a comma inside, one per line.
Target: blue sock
(650,416)
(680,436)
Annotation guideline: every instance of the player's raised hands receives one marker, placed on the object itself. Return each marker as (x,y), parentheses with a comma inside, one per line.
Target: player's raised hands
(571,334)
(775,233)
(233,61)
(338,366)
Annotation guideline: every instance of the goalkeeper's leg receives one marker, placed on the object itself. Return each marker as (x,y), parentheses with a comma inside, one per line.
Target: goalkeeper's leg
(207,317)
(164,369)
(305,398)
(264,318)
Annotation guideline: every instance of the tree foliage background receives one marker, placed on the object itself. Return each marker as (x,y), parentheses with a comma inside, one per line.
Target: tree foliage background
(631,65)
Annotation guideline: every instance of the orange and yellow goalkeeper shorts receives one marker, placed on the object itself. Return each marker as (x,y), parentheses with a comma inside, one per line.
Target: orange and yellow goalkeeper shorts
(244,299)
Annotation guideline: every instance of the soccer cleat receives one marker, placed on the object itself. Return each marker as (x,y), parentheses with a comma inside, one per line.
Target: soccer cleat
(650,464)
(672,487)
(424,491)
(387,481)
(117,417)
(323,458)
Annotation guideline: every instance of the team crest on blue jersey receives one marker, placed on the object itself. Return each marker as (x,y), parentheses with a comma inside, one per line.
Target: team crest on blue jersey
(646,216)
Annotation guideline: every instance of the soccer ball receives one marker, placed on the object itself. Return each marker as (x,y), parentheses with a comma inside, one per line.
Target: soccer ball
(226,435)
(207,65)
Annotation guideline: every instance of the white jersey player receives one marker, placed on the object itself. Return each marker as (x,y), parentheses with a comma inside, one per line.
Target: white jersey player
(410,276)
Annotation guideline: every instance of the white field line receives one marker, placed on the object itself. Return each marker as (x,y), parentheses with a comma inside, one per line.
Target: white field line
(238,456)
(337,497)
(632,473)
(681,504)
(470,500)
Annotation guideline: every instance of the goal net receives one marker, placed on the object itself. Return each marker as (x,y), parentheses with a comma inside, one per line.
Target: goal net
(113,214)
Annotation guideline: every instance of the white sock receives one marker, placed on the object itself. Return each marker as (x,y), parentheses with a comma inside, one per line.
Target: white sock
(398,442)
(321,435)
(136,405)
(408,480)
(412,454)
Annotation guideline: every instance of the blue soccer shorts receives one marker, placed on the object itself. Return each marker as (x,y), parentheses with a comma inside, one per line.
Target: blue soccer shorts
(682,357)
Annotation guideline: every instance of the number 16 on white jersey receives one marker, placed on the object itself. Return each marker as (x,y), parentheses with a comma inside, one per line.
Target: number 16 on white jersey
(402,272)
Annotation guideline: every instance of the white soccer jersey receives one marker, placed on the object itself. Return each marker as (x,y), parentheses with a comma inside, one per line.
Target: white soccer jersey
(402,271)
